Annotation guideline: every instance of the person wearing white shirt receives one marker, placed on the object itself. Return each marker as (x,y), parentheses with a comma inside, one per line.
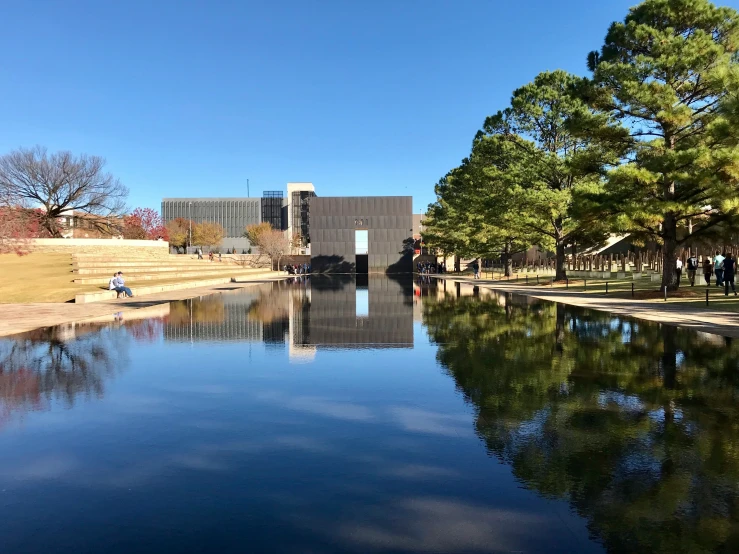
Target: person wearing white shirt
(679,270)
(120,285)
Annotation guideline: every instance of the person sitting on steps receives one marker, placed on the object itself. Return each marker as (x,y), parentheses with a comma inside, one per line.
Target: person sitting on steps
(120,285)
(112,285)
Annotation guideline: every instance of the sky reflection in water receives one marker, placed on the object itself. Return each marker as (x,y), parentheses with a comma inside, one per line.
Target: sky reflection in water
(308,418)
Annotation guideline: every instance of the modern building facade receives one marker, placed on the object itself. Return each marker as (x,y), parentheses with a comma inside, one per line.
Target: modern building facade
(234,214)
(299,195)
(371,234)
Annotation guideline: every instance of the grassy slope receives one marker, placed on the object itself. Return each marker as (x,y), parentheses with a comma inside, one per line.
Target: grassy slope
(48,278)
(36,278)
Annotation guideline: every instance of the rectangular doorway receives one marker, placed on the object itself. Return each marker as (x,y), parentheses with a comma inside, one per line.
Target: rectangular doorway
(361,250)
(362,263)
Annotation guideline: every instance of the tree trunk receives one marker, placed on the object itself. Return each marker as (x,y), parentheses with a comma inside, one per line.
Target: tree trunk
(574,256)
(560,328)
(669,253)
(507,260)
(560,270)
(669,357)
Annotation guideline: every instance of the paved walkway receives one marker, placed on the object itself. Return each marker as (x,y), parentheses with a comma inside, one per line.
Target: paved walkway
(718,322)
(18,318)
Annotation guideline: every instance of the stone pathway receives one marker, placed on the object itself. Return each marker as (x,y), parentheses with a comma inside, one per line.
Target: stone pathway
(718,322)
(18,318)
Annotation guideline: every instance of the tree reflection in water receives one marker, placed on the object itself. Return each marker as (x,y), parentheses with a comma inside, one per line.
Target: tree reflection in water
(62,364)
(634,423)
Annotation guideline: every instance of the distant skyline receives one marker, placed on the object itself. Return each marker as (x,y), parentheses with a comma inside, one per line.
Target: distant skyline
(359,98)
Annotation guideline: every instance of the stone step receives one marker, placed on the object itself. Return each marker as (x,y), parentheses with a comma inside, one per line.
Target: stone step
(144,275)
(153,268)
(171,260)
(98,296)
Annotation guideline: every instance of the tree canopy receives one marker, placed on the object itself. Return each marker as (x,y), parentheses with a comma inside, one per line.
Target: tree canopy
(647,146)
(666,73)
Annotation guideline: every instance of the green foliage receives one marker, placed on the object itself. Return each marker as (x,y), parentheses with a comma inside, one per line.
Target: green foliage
(668,73)
(649,146)
(555,163)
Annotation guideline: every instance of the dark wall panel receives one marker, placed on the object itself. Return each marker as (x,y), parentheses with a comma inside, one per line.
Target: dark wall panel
(388,219)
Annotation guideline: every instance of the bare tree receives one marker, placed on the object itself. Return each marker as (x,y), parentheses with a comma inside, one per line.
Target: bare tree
(60,183)
(274,244)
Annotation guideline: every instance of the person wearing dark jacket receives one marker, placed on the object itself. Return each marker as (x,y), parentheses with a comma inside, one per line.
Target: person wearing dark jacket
(707,270)
(692,264)
(729,270)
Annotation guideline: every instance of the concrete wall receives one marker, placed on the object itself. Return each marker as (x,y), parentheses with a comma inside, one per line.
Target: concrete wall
(103,247)
(388,220)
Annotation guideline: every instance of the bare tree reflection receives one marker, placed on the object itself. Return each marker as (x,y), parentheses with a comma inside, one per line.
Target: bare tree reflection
(58,364)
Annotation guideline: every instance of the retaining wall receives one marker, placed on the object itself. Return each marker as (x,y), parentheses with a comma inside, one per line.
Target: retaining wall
(104,247)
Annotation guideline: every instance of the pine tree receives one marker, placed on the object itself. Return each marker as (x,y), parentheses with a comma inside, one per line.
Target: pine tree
(665,73)
(555,163)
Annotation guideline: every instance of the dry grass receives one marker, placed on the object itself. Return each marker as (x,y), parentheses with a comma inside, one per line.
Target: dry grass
(37,278)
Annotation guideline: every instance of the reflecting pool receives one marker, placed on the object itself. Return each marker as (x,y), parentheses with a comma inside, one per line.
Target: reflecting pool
(370,415)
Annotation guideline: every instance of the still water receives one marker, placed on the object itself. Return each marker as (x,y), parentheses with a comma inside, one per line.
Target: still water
(376,416)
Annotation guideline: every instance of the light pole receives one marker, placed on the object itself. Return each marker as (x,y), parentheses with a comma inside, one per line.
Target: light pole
(189,219)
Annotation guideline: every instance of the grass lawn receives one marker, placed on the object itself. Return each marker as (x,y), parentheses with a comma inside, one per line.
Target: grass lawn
(644,289)
(37,278)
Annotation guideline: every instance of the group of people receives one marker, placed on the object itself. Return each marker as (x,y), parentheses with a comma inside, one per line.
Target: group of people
(211,256)
(722,266)
(297,269)
(426,268)
(117,284)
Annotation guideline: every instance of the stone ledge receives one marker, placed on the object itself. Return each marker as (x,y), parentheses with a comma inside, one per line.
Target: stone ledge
(149,274)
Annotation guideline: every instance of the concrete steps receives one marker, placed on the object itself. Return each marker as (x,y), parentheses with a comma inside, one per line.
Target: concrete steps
(157,274)
(98,296)
(155,268)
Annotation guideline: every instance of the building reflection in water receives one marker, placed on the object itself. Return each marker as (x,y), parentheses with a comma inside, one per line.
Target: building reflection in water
(217,317)
(346,312)
(304,314)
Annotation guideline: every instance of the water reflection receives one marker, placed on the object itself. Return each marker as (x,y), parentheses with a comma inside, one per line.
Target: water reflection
(342,312)
(625,426)
(338,312)
(60,363)
(633,423)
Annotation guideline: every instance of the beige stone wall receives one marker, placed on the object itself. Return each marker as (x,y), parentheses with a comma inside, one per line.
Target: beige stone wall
(103,247)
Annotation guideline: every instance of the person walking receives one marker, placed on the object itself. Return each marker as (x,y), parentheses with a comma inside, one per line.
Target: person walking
(476,269)
(718,268)
(707,270)
(729,270)
(200,253)
(692,268)
(679,270)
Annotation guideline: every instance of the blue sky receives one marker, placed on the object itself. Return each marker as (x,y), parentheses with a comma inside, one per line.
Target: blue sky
(191,98)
